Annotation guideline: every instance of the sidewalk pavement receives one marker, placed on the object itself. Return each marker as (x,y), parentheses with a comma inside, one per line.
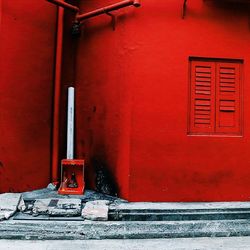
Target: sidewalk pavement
(45,215)
(232,243)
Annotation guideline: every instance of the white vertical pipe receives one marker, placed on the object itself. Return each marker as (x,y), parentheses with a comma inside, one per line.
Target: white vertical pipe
(70,123)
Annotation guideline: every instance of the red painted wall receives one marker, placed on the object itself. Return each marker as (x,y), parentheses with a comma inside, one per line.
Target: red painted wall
(132,100)
(26,74)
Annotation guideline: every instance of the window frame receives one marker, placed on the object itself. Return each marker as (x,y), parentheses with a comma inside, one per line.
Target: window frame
(215,131)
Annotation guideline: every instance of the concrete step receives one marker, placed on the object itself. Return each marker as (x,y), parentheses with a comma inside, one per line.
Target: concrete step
(75,230)
(141,221)
(171,211)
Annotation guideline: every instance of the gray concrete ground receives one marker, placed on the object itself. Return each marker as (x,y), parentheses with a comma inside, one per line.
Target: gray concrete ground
(168,244)
(45,215)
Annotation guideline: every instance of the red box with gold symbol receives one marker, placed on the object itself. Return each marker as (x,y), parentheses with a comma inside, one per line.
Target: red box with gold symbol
(72,177)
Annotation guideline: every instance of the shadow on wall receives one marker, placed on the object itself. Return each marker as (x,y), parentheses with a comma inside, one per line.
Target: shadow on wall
(104,181)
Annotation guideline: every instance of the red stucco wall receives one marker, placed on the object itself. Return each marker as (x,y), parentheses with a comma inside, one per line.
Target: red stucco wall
(132,100)
(26,76)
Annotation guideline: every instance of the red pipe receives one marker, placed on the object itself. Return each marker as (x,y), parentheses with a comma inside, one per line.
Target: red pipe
(64,5)
(58,69)
(112,7)
(137,3)
(57,91)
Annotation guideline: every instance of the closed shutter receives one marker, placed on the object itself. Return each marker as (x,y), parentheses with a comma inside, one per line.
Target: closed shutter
(228,98)
(215,97)
(202,114)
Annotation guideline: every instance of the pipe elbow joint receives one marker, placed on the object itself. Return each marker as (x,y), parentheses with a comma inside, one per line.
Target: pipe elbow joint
(137,3)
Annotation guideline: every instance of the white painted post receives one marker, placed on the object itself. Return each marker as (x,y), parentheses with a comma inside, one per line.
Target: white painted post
(70,123)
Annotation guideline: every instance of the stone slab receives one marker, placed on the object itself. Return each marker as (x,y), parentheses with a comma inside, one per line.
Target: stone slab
(9,201)
(8,204)
(57,207)
(96,210)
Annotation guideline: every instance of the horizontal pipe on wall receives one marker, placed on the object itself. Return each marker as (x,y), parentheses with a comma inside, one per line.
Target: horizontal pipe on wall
(112,7)
(64,5)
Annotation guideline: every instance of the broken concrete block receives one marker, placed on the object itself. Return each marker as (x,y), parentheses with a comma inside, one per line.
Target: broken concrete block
(96,210)
(2,216)
(8,204)
(51,187)
(30,206)
(100,202)
(57,207)
(21,205)
(68,203)
(64,212)
(66,207)
(9,201)
(41,206)
(6,214)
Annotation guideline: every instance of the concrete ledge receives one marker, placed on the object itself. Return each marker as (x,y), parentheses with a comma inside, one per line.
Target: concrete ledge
(74,230)
(173,211)
(181,205)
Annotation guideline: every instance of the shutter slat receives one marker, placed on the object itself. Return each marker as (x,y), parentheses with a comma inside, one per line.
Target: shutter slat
(227,70)
(227,76)
(227,80)
(202,112)
(225,89)
(199,79)
(203,69)
(202,92)
(229,85)
(203,75)
(207,84)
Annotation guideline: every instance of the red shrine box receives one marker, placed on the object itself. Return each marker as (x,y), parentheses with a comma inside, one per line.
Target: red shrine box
(72,177)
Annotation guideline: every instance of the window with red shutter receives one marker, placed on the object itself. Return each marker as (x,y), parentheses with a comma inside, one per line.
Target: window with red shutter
(215,96)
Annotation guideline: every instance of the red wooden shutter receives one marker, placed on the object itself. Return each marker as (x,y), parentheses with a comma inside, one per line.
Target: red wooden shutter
(227,97)
(202,113)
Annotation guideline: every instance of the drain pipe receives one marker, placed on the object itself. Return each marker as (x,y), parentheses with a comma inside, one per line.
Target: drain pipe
(57,92)
(65,5)
(107,9)
(104,10)
(58,66)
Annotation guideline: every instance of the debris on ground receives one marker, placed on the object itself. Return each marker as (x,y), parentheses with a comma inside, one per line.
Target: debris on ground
(52,187)
(8,204)
(66,207)
(96,210)
(57,207)
(47,203)
(89,195)
(22,206)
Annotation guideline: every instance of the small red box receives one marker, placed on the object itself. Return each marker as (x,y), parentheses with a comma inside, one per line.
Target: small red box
(72,177)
